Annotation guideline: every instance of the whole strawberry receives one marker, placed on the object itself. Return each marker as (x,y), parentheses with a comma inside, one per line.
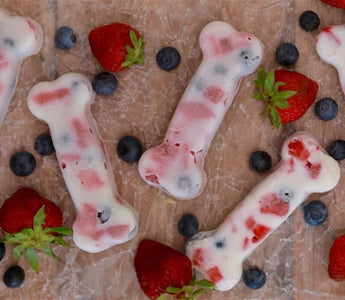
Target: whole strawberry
(117,46)
(336,266)
(162,272)
(287,94)
(335,3)
(32,223)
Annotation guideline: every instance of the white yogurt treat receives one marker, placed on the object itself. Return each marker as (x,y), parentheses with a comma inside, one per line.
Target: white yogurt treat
(176,165)
(305,168)
(20,37)
(330,46)
(103,218)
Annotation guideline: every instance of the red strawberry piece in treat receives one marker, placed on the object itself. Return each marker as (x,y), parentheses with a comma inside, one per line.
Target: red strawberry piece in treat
(163,271)
(335,3)
(117,46)
(32,223)
(336,266)
(287,94)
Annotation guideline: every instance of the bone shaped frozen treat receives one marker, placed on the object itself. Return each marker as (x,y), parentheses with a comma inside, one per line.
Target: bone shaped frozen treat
(20,37)
(330,46)
(305,168)
(176,165)
(103,218)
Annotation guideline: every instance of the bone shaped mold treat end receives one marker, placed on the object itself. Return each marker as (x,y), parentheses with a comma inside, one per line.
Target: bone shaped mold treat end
(305,168)
(103,218)
(176,165)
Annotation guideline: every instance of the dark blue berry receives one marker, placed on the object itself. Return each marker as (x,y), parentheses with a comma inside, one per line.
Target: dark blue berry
(129,149)
(220,243)
(168,58)
(22,163)
(337,149)
(287,54)
(14,277)
(65,38)
(315,213)
(326,109)
(260,161)
(2,250)
(309,20)
(188,225)
(254,278)
(44,144)
(104,83)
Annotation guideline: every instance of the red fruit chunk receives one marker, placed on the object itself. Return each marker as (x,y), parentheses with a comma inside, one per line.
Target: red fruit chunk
(335,3)
(158,266)
(18,211)
(336,266)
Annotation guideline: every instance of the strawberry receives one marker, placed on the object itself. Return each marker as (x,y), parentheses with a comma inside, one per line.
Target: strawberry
(32,222)
(336,266)
(162,272)
(288,95)
(117,46)
(335,3)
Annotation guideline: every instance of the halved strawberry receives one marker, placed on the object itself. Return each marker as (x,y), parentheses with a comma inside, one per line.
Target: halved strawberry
(162,271)
(335,3)
(32,223)
(336,266)
(117,46)
(287,94)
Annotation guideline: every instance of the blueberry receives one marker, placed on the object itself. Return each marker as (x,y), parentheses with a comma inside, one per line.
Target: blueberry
(2,250)
(315,213)
(104,83)
(129,149)
(65,38)
(309,20)
(326,109)
(14,277)
(260,161)
(44,144)
(254,278)
(188,225)
(287,54)
(22,163)
(168,58)
(337,149)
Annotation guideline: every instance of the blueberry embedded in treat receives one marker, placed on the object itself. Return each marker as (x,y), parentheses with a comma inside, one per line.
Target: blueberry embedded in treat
(220,243)
(315,213)
(14,277)
(254,278)
(260,161)
(168,58)
(2,250)
(188,225)
(65,38)
(44,144)
(22,163)
(326,109)
(129,149)
(286,195)
(104,215)
(287,54)
(309,20)
(104,83)
(337,149)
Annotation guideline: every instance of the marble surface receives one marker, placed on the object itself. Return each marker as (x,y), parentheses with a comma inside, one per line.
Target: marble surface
(295,257)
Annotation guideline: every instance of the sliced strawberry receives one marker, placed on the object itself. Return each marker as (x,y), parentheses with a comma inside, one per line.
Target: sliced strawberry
(335,3)
(336,266)
(117,46)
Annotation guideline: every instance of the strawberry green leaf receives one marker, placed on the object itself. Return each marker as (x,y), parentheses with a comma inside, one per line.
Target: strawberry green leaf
(134,55)
(205,283)
(62,230)
(284,95)
(258,96)
(32,257)
(39,218)
(260,81)
(274,117)
(173,290)
(269,81)
(46,249)
(61,241)
(198,292)
(276,85)
(282,103)
(193,278)
(18,251)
